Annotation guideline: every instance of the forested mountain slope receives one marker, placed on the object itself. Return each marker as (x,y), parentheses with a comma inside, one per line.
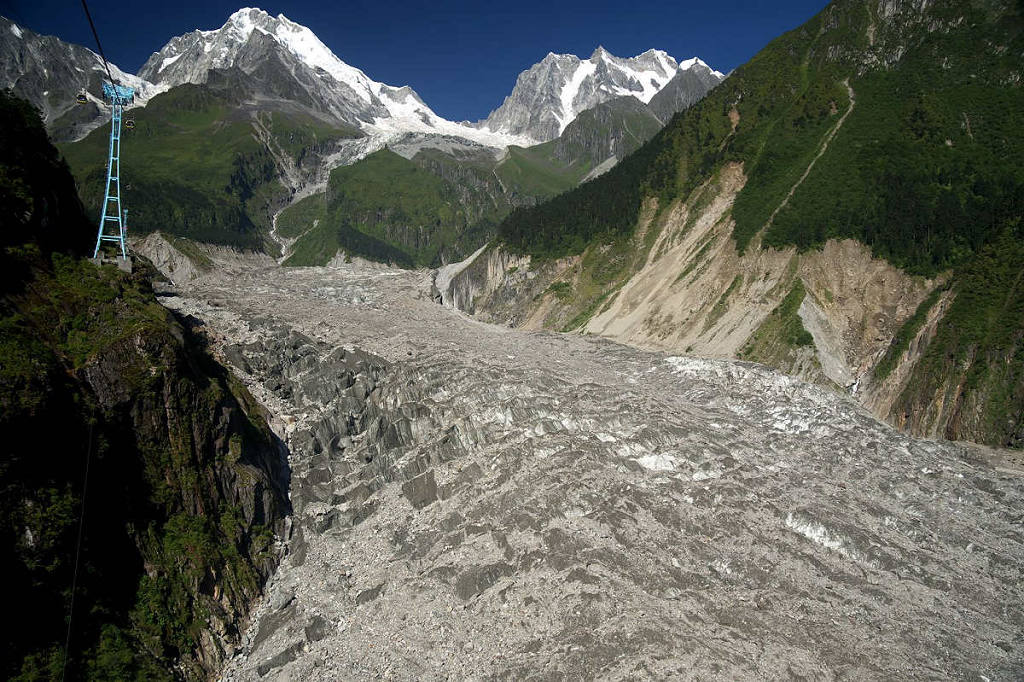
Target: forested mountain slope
(204,162)
(892,124)
(412,205)
(186,483)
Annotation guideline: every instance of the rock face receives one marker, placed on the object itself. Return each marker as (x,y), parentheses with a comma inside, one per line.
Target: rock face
(290,64)
(550,94)
(252,41)
(133,467)
(473,501)
(686,88)
(721,237)
(186,490)
(51,73)
(692,292)
(611,129)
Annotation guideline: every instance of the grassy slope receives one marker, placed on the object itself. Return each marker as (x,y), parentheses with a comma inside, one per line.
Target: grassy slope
(782,333)
(437,206)
(383,207)
(192,166)
(787,98)
(535,172)
(976,360)
(558,165)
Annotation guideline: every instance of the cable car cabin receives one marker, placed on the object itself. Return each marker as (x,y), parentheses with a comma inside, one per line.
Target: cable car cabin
(81,99)
(130,124)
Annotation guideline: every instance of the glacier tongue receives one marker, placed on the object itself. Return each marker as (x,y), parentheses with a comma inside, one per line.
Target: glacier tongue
(475,502)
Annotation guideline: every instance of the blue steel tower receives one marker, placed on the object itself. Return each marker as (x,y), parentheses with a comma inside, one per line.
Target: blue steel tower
(112,228)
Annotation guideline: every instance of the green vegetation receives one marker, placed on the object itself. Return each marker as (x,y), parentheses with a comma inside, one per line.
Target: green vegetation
(926,170)
(384,208)
(617,127)
(193,166)
(147,485)
(908,177)
(533,171)
(889,178)
(595,212)
(587,312)
(561,290)
(595,279)
(906,334)
(301,137)
(190,250)
(781,333)
(977,356)
(93,369)
(301,216)
(435,207)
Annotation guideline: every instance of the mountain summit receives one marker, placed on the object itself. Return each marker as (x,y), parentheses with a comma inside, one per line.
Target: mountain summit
(289,61)
(551,94)
(276,59)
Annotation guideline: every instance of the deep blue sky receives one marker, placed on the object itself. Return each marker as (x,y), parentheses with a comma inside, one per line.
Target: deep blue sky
(461,57)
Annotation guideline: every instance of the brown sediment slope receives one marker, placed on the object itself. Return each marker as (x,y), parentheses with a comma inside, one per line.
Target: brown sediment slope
(691,291)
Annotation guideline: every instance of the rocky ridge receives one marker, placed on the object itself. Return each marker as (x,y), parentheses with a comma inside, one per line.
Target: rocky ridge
(549,95)
(289,59)
(51,73)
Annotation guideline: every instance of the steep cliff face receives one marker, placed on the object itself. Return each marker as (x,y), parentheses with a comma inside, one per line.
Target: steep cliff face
(479,278)
(138,481)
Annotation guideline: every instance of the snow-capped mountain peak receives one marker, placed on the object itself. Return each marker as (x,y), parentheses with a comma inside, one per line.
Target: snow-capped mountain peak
(688,64)
(550,95)
(302,43)
(283,54)
(278,59)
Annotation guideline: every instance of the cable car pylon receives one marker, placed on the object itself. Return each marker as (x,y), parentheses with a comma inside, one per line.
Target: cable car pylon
(112,222)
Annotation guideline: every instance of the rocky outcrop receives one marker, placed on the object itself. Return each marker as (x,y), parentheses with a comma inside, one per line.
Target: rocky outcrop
(685,89)
(549,95)
(169,260)
(615,128)
(479,276)
(51,73)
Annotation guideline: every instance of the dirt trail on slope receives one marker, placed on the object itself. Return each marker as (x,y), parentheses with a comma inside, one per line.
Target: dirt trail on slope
(821,151)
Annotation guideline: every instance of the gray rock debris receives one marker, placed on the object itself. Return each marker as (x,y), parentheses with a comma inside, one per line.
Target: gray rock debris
(473,502)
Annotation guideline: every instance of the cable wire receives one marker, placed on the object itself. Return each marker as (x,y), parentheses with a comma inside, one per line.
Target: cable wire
(97,37)
(78,553)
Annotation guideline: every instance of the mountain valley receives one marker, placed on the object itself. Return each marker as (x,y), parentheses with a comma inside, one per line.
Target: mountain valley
(509,504)
(653,373)
(843,175)
(258,67)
